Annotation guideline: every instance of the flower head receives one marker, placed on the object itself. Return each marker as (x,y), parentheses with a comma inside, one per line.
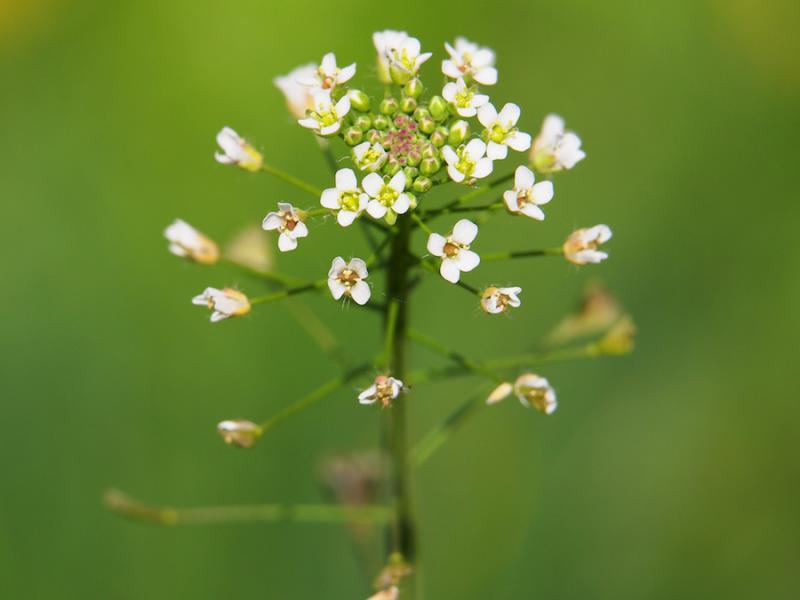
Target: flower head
(384,390)
(327,76)
(224,303)
(534,390)
(325,118)
(236,151)
(469,60)
(288,223)
(347,279)
(299,97)
(454,250)
(467,161)
(369,158)
(581,245)
(187,242)
(498,300)
(464,97)
(501,131)
(403,56)
(238,432)
(526,197)
(385,42)
(387,199)
(556,149)
(346,198)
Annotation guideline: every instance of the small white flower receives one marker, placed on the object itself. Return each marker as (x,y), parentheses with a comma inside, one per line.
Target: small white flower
(387,41)
(534,390)
(501,131)
(326,118)
(463,97)
(527,196)
(499,393)
(384,390)
(498,300)
(581,245)
(299,97)
(346,197)
(288,223)
(467,161)
(369,158)
(327,76)
(468,59)
(185,241)
(239,432)
(347,279)
(454,250)
(404,57)
(386,198)
(224,303)
(236,151)
(555,149)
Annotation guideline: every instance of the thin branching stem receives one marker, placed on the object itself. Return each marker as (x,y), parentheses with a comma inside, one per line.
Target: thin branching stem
(438,212)
(287,292)
(496,256)
(292,180)
(268,275)
(479,191)
(467,363)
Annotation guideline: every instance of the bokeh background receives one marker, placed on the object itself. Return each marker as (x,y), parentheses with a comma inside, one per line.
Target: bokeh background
(671,473)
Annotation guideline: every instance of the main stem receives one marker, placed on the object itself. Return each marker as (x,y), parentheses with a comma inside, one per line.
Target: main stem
(401,536)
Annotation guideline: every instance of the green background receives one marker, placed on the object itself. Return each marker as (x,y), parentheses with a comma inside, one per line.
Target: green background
(671,473)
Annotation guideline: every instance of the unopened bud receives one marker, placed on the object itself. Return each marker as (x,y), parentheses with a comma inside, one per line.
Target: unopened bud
(411,173)
(381,122)
(399,75)
(408,105)
(458,133)
(363,122)
(374,136)
(413,88)
(429,151)
(414,157)
(412,200)
(499,393)
(353,136)
(389,106)
(359,100)
(238,432)
(427,125)
(430,166)
(421,112)
(422,184)
(439,137)
(438,108)
(392,166)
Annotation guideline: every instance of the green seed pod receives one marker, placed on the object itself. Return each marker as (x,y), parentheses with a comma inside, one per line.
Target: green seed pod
(389,106)
(408,105)
(359,100)
(353,136)
(422,184)
(381,122)
(427,125)
(363,122)
(411,173)
(458,133)
(438,108)
(413,88)
(430,166)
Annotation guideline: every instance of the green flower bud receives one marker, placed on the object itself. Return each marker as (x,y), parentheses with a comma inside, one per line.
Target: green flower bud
(359,100)
(422,184)
(408,105)
(374,136)
(412,200)
(398,74)
(413,88)
(439,137)
(459,132)
(427,125)
(392,166)
(430,166)
(411,173)
(438,108)
(429,151)
(381,122)
(391,217)
(414,158)
(363,122)
(389,106)
(353,136)
(421,113)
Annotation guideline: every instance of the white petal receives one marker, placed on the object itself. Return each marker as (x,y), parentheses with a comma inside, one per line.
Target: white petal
(360,150)
(360,292)
(465,232)
(449,92)
(482,57)
(552,128)
(345,218)
(337,288)
(509,115)
(272,221)
(286,242)
(487,115)
(519,141)
(467,260)
(523,178)
(455,174)
(331,129)
(347,73)
(402,204)
(398,182)
(376,210)
(466,111)
(372,184)
(300,230)
(450,69)
(531,210)
(486,76)
(336,266)
(479,100)
(329,198)
(359,267)
(308,123)
(346,180)
(217,316)
(510,198)
(450,156)
(368,395)
(223,158)
(476,149)
(328,63)
(483,168)
(543,192)
(496,151)
(450,271)
(436,244)
(343,106)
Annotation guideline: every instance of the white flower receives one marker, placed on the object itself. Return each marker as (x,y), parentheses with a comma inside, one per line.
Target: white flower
(384,390)
(404,57)
(386,198)
(498,300)
(467,161)
(288,223)
(468,59)
(556,149)
(239,432)
(454,250)
(369,158)
(236,151)
(463,97)
(325,118)
(225,303)
(385,42)
(581,245)
(346,197)
(299,97)
(187,242)
(347,279)
(327,76)
(501,131)
(526,197)
(534,390)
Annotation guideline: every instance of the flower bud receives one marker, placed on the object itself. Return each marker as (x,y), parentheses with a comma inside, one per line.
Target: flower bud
(414,158)
(429,151)
(413,88)
(422,184)
(427,125)
(388,106)
(381,122)
(353,136)
(420,113)
(238,432)
(399,75)
(439,137)
(458,133)
(430,166)
(412,200)
(411,173)
(359,100)
(374,137)
(187,242)
(500,392)
(438,108)
(390,217)
(392,166)
(363,122)
(408,105)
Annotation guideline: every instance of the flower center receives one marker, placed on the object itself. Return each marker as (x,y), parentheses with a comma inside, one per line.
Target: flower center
(451,249)
(465,164)
(524,197)
(289,222)
(464,98)
(348,278)
(498,133)
(349,201)
(387,195)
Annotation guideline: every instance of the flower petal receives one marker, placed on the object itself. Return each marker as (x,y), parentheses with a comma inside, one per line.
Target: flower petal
(345,218)
(346,180)
(329,198)
(376,210)
(449,155)
(449,270)
(286,242)
(476,149)
(464,232)
(518,141)
(372,184)
(467,260)
(496,151)
(543,192)
(509,115)
(272,221)
(523,178)
(398,181)
(337,288)
(402,204)
(436,244)
(360,292)
(483,168)
(487,115)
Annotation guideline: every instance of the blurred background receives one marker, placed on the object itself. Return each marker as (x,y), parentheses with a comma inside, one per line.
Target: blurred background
(670,473)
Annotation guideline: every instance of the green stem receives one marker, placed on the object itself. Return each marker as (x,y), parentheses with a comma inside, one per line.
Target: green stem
(437,212)
(272,276)
(292,180)
(439,435)
(285,293)
(429,266)
(495,256)
(478,191)
(421,223)
(465,362)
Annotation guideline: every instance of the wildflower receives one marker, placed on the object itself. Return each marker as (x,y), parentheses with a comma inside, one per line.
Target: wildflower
(238,432)
(327,76)
(224,303)
(555,149)
(526,197)
(392,593)
(347,279)
(467,161)
(469,60)
(499,393)
(236,151)
(299,97)
(454,250)
(501,132)
(187,242)
(498,300)
(404,58)
(384,390)
(534,390)
(369,158)
(464,98)
(385,42)
(288,223)
(387,199)
(581,245)
(325,118)
(346,198)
